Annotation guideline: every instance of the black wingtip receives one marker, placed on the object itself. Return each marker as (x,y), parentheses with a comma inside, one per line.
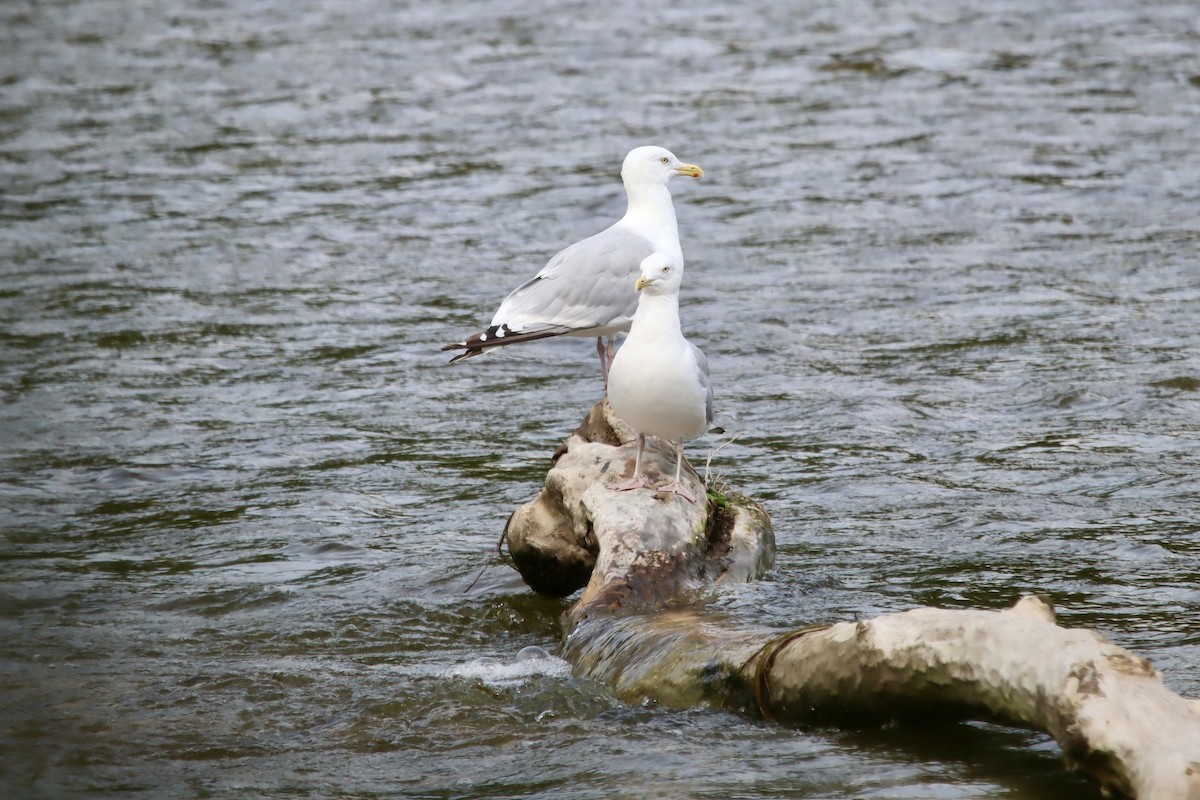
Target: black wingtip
(496,336)
(474,351)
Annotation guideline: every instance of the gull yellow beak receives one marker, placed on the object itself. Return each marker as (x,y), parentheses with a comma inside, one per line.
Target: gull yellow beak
(642,283)
(691,170)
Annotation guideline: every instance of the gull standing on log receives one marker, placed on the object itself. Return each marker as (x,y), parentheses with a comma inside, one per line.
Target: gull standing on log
(585,289)
(659,382)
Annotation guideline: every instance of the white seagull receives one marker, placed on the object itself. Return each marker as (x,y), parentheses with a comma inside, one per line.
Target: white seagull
(659,382)
(585,289)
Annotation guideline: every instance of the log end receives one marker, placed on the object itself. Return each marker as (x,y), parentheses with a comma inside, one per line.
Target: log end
(552,558)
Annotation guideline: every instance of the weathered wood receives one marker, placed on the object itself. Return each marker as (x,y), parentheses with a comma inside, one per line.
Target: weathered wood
(1108,709)
(664,547)
(645,560)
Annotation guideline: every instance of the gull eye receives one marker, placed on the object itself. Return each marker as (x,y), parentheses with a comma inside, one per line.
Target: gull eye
(666,270)
(665,160)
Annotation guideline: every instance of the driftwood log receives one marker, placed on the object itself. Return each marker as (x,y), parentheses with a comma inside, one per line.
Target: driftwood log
(645,561)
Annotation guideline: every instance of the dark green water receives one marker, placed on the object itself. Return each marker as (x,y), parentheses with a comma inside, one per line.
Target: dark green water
(944,262)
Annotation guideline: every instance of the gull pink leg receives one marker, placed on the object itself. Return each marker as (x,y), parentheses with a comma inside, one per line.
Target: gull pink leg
(675,487)
(604,359)
(636,481)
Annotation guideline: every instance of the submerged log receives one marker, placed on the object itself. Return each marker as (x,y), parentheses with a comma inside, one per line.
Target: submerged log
(645,562)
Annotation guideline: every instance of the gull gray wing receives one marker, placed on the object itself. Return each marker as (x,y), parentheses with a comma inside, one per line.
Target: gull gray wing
(588,285)
(705,383)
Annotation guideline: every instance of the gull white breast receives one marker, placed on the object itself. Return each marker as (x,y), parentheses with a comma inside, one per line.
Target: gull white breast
(659,382)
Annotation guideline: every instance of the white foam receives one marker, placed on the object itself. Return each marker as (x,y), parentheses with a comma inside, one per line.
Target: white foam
(531,662)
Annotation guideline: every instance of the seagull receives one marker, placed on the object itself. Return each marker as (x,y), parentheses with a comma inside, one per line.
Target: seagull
(659,382)
(584,289)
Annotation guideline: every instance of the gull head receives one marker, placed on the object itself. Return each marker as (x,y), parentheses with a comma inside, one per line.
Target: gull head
(661,274)
(651,164)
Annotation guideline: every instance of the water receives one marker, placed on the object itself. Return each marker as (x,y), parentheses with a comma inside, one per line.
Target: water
(943,262)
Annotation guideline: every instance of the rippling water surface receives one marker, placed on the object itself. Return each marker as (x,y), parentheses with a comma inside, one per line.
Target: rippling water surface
(943,262)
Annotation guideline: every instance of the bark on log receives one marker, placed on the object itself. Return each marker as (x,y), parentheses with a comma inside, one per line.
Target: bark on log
(647,560)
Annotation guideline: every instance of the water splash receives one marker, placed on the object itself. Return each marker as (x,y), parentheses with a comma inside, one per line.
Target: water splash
(529,662)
